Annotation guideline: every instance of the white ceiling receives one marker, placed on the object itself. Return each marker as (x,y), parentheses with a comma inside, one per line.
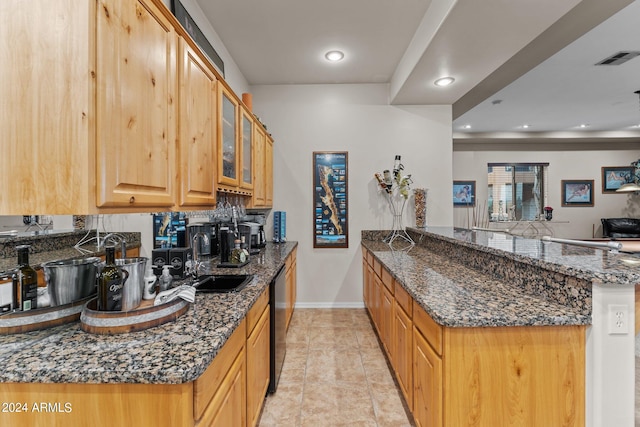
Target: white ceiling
(496,49)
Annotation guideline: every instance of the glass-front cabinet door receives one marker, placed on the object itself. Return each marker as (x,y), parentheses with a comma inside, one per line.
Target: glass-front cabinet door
(228,152)
(246,133)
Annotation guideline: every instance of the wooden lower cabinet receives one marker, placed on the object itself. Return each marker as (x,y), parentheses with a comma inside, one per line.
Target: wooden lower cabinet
(96,405)
(427,383)
(480,376)
(537,374)
(386,320)
(257,359)
(402,352)
(217,389)
(291,273)
(230,393)
(365,279)
(228,405)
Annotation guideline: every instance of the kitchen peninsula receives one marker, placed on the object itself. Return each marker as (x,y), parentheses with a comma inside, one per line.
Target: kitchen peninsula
(163,376)
(485,328)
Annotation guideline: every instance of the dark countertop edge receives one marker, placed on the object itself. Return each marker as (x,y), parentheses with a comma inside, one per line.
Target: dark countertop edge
(576,319)
(179,376)
(593,276)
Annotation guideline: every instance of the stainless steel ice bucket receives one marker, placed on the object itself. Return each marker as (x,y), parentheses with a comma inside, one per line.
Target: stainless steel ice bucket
(134,286)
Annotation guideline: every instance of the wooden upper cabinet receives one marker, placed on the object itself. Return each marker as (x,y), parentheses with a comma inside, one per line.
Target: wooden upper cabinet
(228,150)
(197,143)
(135,118)
(259,142)
(246,136)
(46,99)
(268,172)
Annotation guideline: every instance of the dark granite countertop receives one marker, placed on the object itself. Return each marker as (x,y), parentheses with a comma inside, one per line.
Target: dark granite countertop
(457,293)
(172,353)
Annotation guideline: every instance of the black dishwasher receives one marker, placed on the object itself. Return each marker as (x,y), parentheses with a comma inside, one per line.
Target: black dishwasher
(278,327)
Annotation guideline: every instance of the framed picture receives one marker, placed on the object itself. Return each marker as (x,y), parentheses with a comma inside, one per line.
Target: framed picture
(464,193)
(577,192)
(614,176)
(330,199)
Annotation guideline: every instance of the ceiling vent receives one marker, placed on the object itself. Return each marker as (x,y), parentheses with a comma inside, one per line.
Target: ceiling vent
(619,58)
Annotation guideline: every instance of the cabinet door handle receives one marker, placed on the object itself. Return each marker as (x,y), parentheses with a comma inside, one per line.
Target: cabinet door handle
(132,200)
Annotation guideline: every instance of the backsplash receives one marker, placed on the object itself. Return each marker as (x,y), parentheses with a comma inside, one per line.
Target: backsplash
(532,279)
(52,246)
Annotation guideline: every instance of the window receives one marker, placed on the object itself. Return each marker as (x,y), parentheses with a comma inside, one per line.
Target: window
(517,191)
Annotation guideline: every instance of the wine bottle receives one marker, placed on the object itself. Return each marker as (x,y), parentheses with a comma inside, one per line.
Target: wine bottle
(110,283)
(397,167)
(25,282)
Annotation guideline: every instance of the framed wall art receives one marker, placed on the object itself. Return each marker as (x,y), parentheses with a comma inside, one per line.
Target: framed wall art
(577,192)
(613,177)
(464,193)
(330,199)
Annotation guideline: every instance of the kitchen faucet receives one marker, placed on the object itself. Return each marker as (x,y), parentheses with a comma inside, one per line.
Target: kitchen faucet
(116,238)
(195,245)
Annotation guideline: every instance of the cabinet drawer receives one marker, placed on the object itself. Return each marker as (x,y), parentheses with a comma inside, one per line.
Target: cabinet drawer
(428,328)
(291,259)
(206,386)
(256,311)
(403,298)
(377,267)
(369,257)
(387,280)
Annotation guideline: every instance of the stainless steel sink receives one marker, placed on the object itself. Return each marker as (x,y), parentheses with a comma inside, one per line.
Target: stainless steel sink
(222,282)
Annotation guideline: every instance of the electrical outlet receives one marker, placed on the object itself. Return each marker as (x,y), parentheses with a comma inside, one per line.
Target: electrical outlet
(618,319)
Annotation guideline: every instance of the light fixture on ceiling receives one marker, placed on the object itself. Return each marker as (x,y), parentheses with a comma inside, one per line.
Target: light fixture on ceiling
(334,55)
(526,126)
(444,81)
(467,126)
(584,125)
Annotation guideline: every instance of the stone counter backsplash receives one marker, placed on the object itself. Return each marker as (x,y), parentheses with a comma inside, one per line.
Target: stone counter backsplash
(55,246)
(531,279)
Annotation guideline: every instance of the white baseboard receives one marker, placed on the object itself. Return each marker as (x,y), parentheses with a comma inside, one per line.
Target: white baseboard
(358,304)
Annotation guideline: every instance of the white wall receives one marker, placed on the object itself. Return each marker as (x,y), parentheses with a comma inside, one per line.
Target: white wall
(232,74)
(357,119)
(568,164)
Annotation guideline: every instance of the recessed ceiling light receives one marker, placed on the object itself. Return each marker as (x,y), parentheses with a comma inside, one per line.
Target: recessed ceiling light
(466,127)
(444,81)
(334,55)
(583,125)
(526,126)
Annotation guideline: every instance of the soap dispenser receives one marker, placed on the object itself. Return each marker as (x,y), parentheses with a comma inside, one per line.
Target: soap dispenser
(150,280)
(165,279)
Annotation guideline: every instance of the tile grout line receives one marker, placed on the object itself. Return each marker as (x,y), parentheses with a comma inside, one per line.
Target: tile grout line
(304,377)
(366,374)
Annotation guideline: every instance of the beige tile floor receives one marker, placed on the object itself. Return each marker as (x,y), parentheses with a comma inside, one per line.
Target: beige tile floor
(334,374)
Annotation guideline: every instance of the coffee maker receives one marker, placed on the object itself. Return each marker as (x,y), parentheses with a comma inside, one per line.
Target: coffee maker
(257,238)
